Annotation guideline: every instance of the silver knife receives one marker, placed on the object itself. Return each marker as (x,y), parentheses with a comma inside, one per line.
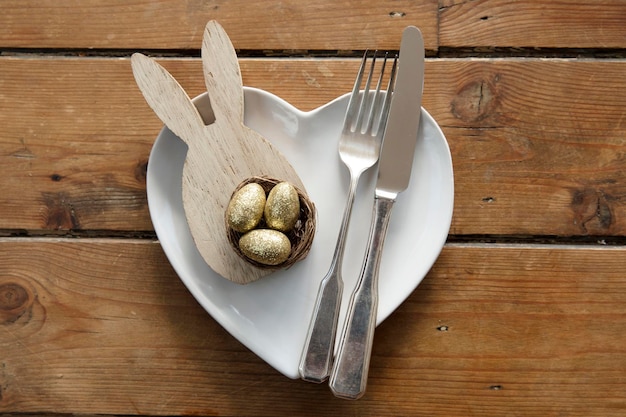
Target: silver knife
(348,377)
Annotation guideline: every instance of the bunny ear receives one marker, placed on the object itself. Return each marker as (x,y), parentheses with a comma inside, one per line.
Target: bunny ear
(222,74)
(166,97)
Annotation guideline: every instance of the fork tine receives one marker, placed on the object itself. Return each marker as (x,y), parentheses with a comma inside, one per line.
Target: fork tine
(382,124)
(377,96)
(365,100)
(353,103)
(364,109)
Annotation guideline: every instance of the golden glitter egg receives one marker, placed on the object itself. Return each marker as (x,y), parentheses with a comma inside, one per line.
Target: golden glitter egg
(266,246)
(282,208)
(245,208)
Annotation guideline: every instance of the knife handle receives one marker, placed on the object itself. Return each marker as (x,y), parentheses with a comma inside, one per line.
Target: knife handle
(348,378)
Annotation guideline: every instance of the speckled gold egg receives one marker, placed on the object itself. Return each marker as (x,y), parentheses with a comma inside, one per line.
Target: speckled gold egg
(266,246)
(282,207)
(246,207)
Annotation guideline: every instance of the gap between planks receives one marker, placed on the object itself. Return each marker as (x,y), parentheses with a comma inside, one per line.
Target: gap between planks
(442,52)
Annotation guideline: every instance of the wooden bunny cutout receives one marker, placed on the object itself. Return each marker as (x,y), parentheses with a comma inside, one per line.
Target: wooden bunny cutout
(220,155)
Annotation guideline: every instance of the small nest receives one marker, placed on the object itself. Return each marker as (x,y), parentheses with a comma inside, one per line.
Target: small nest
(301,236)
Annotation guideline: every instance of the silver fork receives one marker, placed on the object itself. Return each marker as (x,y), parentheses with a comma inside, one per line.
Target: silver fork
(359,149)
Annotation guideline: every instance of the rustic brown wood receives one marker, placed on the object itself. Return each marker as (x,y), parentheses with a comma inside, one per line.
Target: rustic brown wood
(286,25)
(533,24)
(66,163)
(106,327)
(537,145)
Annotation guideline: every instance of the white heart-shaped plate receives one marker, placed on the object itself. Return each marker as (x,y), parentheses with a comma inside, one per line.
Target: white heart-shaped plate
(271,316)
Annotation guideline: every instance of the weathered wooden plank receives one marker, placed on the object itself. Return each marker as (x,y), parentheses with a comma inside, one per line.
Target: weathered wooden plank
(538,145)
(286,25)
(69,162)
(533,24)
(106,327)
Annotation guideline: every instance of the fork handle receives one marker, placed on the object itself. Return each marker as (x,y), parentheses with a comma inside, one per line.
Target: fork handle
(319,346)
(348,378)
(318,350)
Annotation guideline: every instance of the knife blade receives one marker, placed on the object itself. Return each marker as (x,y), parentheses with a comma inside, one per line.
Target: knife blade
(348,377)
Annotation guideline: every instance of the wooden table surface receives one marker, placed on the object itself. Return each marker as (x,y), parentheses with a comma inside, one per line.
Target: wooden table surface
(523,314)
